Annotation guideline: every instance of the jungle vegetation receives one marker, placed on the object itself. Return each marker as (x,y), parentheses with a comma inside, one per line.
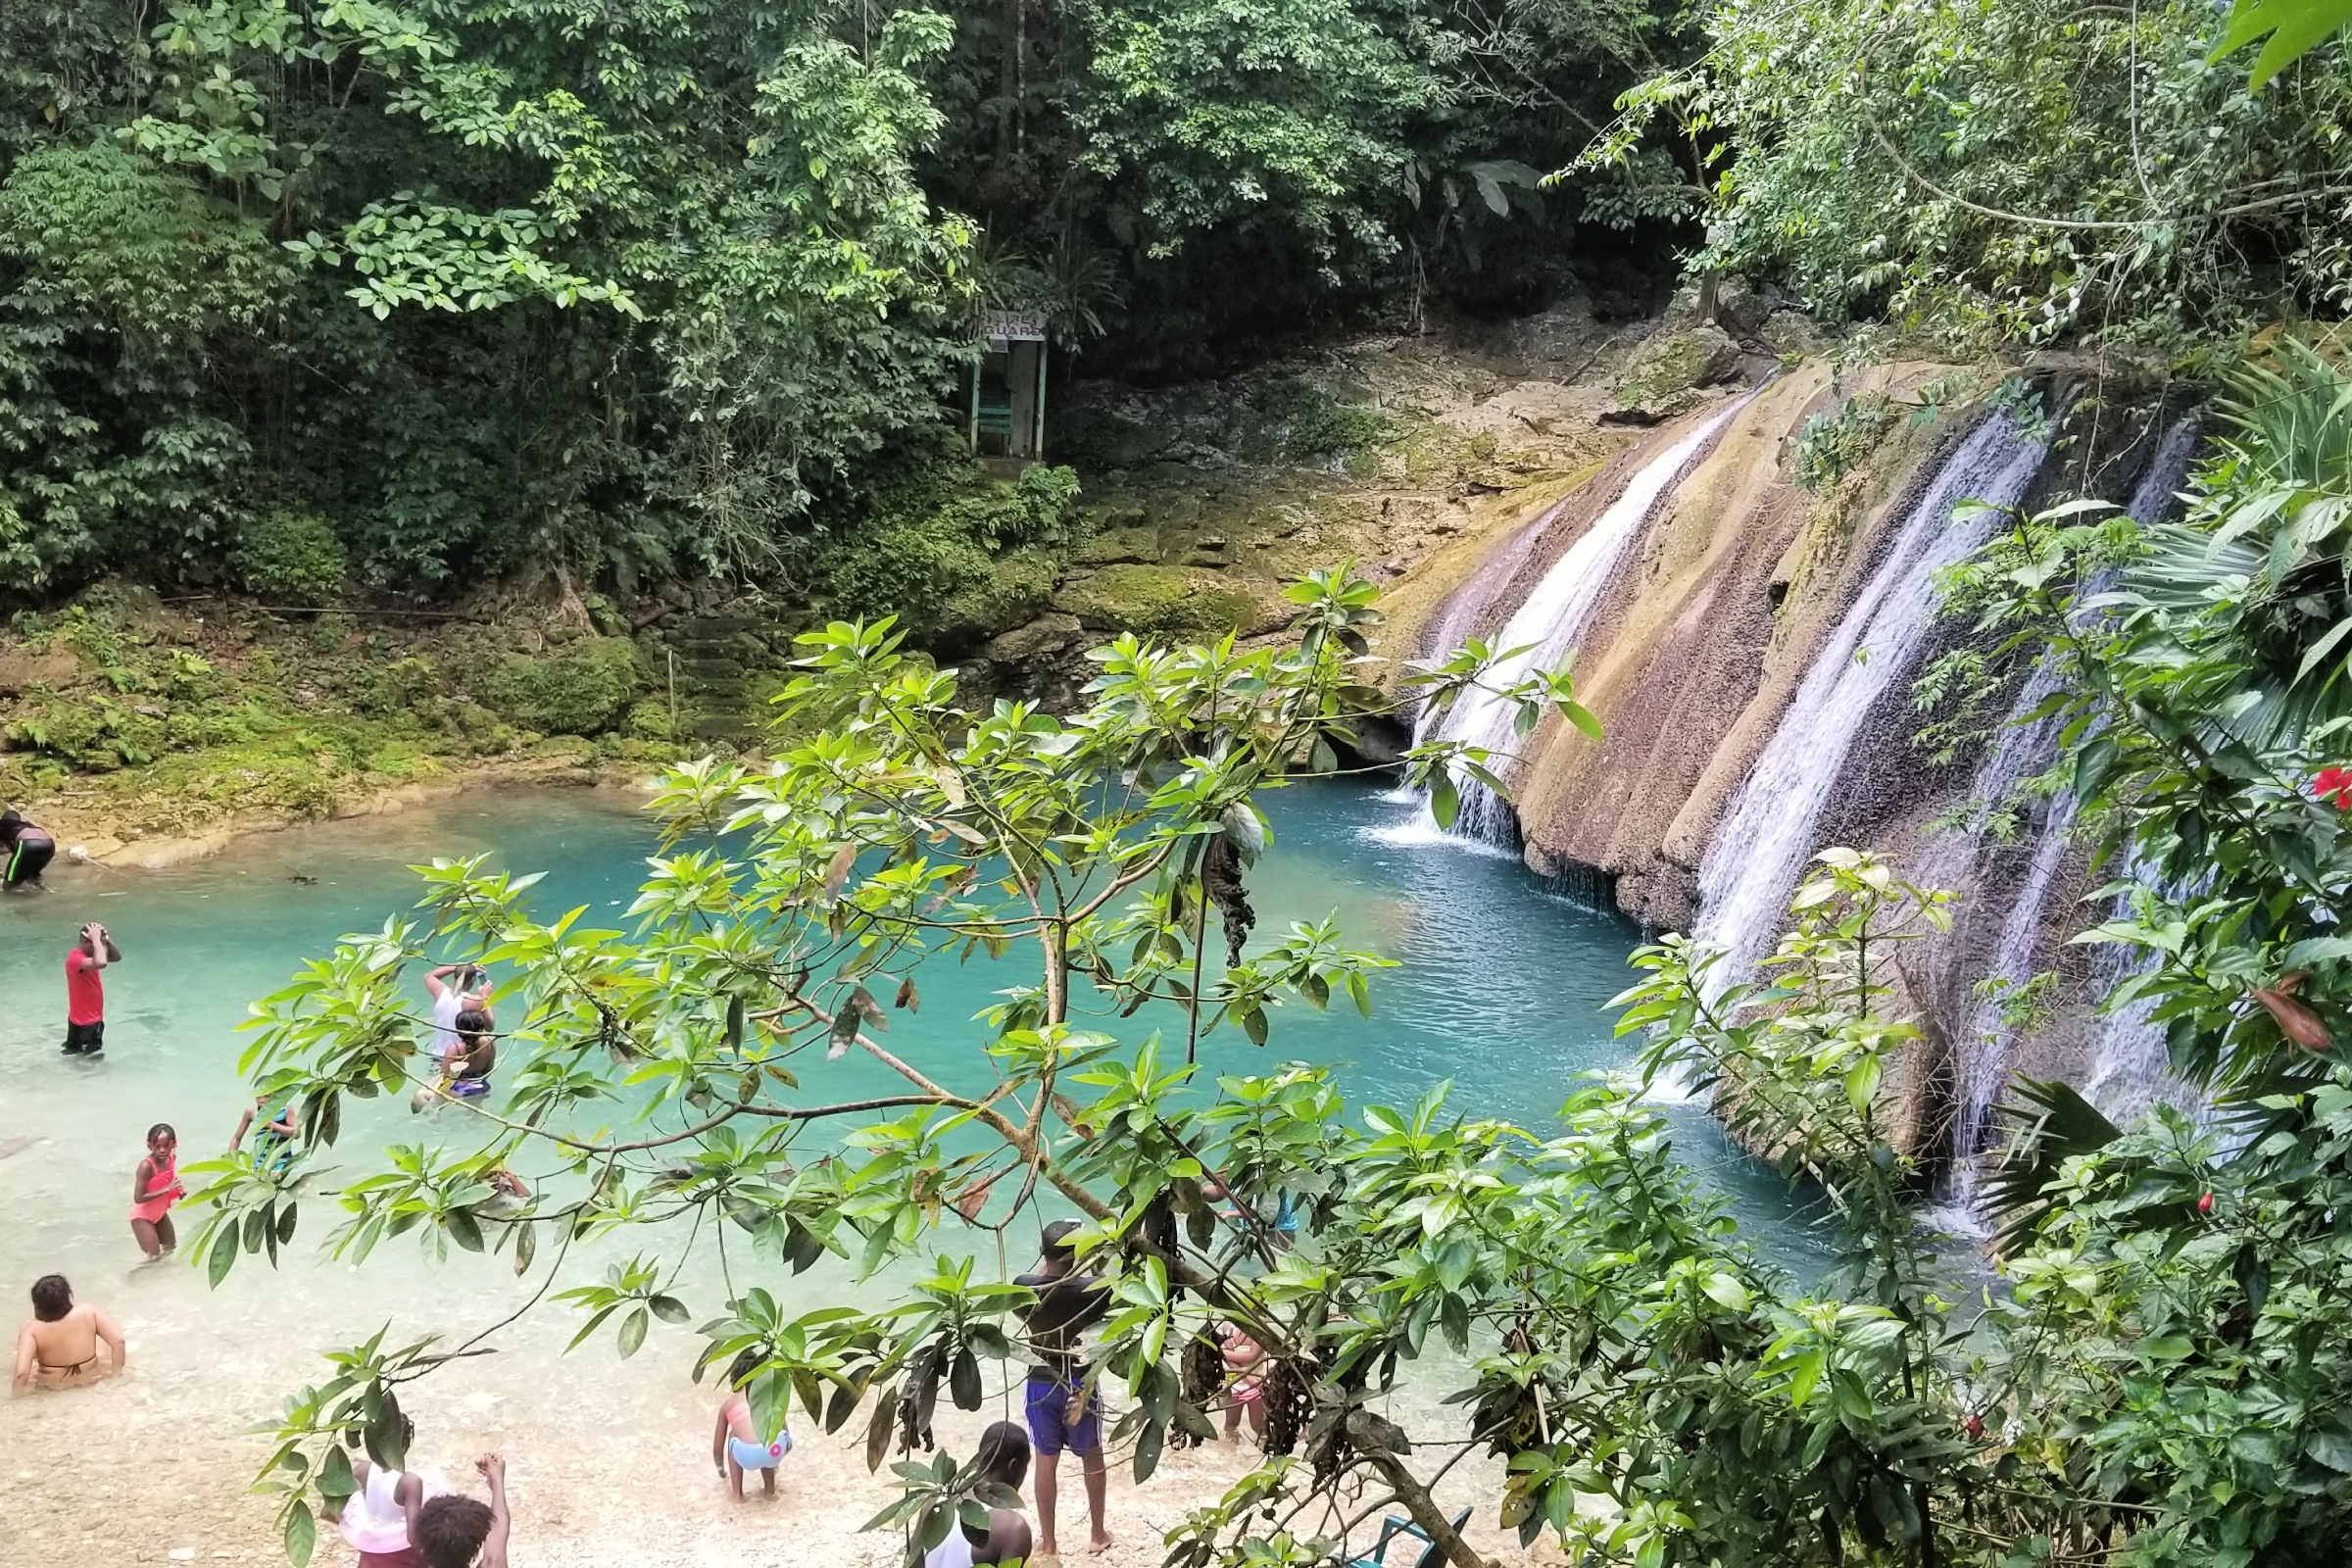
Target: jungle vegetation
(625,291)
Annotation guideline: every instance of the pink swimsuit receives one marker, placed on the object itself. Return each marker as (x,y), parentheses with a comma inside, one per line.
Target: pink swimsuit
(165,1184)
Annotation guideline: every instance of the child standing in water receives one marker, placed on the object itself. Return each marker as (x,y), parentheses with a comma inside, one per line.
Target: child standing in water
(154,1189)
(736,1446)
(85,993)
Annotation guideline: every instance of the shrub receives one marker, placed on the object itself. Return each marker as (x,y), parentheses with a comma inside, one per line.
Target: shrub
(294,556)
(405,685)
(1831,445)
(583,691)
(1333,430)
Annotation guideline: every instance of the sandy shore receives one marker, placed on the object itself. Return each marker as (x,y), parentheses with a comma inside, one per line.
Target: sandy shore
(105,842)
(149,1468)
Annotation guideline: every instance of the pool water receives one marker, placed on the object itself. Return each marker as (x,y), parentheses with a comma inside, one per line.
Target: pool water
(1500,988)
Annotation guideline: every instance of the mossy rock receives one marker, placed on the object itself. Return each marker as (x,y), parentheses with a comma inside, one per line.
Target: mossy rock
(1119,547)
(1666,369)
(586,690)
(1017,588)
(649,720)
(1157,599)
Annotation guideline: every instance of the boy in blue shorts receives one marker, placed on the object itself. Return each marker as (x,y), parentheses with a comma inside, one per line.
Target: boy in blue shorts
(1060,1407)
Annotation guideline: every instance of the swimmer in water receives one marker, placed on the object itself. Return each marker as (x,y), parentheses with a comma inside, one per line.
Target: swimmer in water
(736,1445)
(154,1188)
(280,1124)
(465,1066)
(456,988)
(59,1348)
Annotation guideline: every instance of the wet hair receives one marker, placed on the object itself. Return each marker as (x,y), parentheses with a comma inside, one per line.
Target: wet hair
(471,1023)
(162,1129)
(744,1366)
(1002,1454)
(52,1298)
(450,1529)
(1055,1241)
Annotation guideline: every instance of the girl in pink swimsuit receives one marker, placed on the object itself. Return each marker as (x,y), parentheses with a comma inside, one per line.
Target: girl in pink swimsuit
(154,1188)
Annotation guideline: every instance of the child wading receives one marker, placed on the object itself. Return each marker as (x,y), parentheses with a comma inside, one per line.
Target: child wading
(154,1189)
(85,993)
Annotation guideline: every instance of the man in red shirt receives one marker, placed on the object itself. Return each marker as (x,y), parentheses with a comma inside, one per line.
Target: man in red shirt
(85,994)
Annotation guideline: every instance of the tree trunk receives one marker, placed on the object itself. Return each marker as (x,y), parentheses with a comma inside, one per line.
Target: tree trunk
(1412,1493)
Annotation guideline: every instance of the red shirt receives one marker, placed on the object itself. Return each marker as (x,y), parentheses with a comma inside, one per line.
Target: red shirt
(85,994)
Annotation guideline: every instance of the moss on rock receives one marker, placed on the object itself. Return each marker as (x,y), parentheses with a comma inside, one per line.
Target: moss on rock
(585,691)
(1667,369)
(1157,599)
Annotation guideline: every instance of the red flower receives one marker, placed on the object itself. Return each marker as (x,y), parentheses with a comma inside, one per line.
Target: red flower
(2334,783)
(2205,1205)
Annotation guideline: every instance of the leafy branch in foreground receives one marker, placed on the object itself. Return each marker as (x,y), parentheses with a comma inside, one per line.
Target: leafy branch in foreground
(716,1078)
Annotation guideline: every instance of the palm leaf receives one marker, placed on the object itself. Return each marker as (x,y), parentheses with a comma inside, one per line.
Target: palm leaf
(2053,1124)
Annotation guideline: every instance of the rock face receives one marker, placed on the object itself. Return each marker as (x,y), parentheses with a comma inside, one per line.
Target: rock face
(1698,641)
(1731,593)
(1666,377)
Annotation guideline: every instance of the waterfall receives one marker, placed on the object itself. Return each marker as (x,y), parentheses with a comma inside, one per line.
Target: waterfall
(1756,854)
(2025,749)
(1548,622)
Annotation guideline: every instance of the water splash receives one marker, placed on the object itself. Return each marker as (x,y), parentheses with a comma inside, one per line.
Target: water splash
(1549,620)
(1755,856)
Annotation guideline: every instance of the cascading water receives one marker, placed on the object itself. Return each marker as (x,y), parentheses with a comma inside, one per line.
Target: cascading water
(1461,614)
(1755,856)
(1547,624)
(2027,747)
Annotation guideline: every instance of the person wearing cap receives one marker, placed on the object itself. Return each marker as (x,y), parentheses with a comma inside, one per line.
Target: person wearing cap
(1061,1409)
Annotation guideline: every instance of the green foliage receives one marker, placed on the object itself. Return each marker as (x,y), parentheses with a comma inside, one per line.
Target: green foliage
(293,558)
(1831,445)
(902,830)
(1299,124)
(2005,171)
(585,690)
(2181,1291)
(2292,28)
(1331,428)
(968,557)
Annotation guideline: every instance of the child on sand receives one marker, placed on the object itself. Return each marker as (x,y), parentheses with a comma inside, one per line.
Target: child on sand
(59,1348)
(85,993)
(1247,1388)
(380,1517)
(736,1445)
(1003,1459)
(455,1530)
(154,1188)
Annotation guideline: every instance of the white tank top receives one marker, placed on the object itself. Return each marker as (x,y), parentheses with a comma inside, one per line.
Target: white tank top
(446,1008)
(373,1520)
(954,1552)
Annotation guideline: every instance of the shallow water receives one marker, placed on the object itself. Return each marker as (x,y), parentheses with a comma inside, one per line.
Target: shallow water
(1500,988)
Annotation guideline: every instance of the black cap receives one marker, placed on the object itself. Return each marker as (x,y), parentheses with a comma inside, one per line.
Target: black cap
(1056,1240)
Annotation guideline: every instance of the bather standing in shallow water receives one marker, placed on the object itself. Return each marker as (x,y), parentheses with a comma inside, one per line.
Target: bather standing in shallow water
(59,1348)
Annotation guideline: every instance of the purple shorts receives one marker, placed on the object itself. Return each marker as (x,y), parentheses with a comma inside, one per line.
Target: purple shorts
(1049,1429)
